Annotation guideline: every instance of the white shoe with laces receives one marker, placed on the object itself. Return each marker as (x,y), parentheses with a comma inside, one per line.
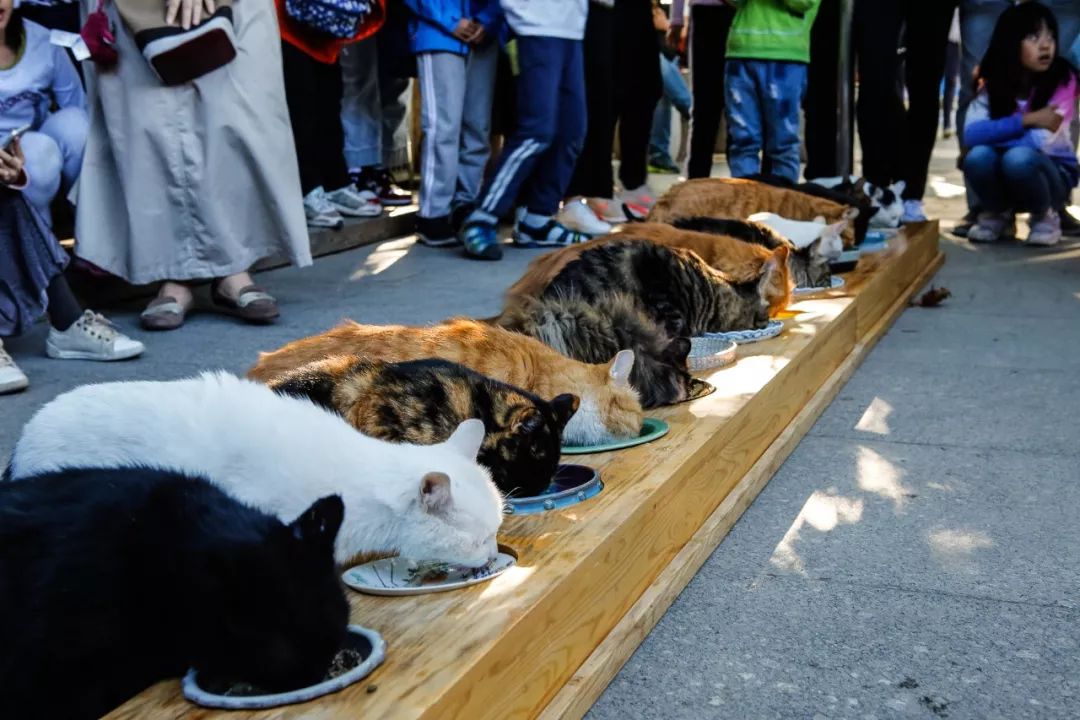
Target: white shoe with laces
(351,202)
(577,215)
(91,337)
(12,379)
(320,212)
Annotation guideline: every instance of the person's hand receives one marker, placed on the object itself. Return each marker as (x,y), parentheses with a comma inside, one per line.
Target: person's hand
(466,30)
(659,19)
(12,165)
(480,37)
(187,13)
(674,35)
(1048,118)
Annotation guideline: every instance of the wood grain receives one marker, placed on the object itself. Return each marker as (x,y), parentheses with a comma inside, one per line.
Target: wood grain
(506,648)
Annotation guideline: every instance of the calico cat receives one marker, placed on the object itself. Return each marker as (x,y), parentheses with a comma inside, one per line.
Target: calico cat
(278,453)
(740,261)
(674,286)
(114,579)
(609,409)
(734,198)
(809,266)
(588,330)
(423,401)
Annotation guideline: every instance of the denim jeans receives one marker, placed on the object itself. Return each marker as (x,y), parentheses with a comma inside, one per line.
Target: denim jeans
(677,95)
(763,102)
(371,106)
(54,156)
(1020,178)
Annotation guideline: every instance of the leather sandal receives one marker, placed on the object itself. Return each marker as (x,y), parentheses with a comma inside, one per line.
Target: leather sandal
(163,313)
(252,303)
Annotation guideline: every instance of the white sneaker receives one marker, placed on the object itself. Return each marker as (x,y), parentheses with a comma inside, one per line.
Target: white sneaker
(577,215)
(12,379)
(351,202)
(91,337)
(1045,231)
(913,212)
(320,211)
(639,200)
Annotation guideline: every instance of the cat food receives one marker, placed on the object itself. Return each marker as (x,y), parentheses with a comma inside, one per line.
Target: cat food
(402,576)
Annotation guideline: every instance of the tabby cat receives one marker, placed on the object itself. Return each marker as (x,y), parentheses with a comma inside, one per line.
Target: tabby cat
(609,410)
(735,198)
(423,401)
(739,260)
(809,266)
(592,330)
(674,286)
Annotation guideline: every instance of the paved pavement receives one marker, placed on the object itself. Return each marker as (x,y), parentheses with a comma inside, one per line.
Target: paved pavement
(917,556)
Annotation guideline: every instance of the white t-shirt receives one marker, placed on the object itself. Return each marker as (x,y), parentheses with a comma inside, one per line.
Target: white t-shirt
(43,74)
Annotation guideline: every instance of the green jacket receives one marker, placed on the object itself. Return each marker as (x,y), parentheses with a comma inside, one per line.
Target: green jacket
(772,29)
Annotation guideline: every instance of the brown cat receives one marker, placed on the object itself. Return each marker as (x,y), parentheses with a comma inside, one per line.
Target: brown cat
(739,199)
(609,409)
(423,401)
(740,261)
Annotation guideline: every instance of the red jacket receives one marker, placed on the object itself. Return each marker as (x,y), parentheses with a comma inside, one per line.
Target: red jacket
(323,47)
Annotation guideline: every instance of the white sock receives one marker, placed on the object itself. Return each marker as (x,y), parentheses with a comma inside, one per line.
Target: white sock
(534,220)
(484,217)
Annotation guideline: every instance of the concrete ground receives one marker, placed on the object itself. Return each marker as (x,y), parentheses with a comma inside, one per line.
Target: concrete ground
(917,556)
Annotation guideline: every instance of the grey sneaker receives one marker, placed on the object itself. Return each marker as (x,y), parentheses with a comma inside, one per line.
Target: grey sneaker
(1046,230)
(320,211)
(12,379)
(91,337)
(988,228)
(351,202)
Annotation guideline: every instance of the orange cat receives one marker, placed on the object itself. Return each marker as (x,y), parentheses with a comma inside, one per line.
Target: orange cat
(739,199)
(609,410)
(740,261)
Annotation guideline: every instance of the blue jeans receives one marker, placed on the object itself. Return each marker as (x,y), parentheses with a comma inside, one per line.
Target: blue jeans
(54,156)
(763,101)
(538,160)
(371,107)
(1020,178)
(677,95)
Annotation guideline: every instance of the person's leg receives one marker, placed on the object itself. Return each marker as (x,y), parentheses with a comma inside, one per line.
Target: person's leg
(331,137)
(822,95)
(660,135)
(69,128)
(593,176)
(302,99)
(638,88)
(784,87)
(927,37)
(1032,180)
(476,123)
(876,29)
(442,78)
(952,78)
(709,27)
(44,169)
(982,173)
(744,84)
(361,107)
(64,307)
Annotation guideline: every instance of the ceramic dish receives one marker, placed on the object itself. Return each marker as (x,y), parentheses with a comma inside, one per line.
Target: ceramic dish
(401,576)
(774,328)
(651,429)
(837,283)
(707,353)
(572,484)
(361,639)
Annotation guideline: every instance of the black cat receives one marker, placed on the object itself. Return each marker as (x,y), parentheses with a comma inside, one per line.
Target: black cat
(111,580)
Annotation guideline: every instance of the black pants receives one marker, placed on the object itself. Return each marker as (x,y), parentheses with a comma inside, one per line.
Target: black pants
(952,83)
(709,27)
(823,94)
(313,93)
(897,142)
(622,84)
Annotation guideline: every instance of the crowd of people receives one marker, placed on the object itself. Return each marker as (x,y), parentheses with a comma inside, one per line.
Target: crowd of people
(190,164)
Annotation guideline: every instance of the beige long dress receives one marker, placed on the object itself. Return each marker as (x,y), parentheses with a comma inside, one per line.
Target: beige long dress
(195,181)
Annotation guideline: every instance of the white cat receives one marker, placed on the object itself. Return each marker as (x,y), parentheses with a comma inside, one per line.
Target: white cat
(279,454)
(805,233)
(889,203)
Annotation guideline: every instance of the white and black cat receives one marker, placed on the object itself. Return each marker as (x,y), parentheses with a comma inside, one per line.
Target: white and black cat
(111,580)
(278,453)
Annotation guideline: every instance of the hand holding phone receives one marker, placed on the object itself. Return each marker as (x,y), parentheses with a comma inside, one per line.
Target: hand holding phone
(14,135)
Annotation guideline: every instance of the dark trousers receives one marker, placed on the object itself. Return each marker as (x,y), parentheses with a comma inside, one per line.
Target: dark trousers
(897,142)
(313,94)
(538,160)
(952,83)
(622,86)
(709,27)
(822,96)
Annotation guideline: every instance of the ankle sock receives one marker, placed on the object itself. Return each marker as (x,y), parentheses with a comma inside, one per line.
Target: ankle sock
(535,220)
(482,217)
(64,308)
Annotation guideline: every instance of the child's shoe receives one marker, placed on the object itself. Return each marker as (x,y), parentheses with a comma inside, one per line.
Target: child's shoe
(320,212)
(638,201)
(351,202)
(12,379)
(550,234)
(578,216)
(481,240)
(988,228)
(436,232)
(913,212)
(91,337)
(1046,230)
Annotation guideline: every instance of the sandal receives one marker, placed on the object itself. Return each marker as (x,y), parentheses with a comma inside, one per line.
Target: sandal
(252,303)
(163,313)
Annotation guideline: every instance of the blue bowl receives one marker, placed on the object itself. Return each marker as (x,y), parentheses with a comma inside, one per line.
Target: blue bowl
(572,484)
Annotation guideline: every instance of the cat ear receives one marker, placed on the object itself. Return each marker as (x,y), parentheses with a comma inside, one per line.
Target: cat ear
(899,186)
(773,266)
(435,495)
(850,214)
(468,437)
(527,420)
(620,367)
(318,526)
(677,351)
(565,406)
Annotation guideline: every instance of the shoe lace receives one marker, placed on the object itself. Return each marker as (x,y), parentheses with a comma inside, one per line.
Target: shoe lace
(320,202)
(99,326)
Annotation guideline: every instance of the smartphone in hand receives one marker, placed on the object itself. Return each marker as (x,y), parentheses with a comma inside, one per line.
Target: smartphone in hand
(14,135)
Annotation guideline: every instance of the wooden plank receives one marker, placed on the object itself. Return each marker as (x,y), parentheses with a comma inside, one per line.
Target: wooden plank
(590,680)
(505,648)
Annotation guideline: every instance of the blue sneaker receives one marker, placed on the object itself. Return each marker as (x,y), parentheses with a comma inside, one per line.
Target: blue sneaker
(481,241)
(551,234)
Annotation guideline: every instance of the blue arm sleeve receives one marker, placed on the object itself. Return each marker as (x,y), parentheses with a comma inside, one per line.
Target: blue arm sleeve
(66,86)
(993,132)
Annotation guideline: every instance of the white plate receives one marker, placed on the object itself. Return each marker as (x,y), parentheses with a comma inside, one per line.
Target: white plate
(837,283)
(774,328)
(400,576)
